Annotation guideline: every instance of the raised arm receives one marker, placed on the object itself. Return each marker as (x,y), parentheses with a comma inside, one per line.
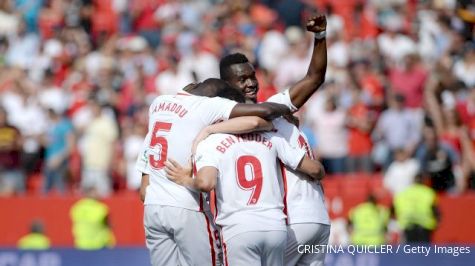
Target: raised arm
(304,89)
(267,111)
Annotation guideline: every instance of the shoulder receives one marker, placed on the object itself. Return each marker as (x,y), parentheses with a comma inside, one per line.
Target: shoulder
(211,140)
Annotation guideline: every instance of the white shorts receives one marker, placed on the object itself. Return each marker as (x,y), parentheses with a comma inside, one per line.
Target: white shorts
(305,234)
(255,248)
(177,236)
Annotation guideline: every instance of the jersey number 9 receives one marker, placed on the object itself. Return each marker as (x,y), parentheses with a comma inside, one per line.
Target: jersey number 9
(255,182)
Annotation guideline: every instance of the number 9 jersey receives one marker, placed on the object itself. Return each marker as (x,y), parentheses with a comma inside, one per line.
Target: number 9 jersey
(250,194)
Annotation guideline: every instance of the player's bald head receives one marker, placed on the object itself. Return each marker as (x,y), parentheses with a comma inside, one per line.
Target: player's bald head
(214,87)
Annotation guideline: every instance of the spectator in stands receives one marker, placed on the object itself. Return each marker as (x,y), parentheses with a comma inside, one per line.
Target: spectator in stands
(401,172)
(465,66)
(12,177)
(293,65)
(172,79)
(90,219)
(367,223)
(395,46)
(416,211)
(98,145)
(437,160)
(372,91)
(201,63)
(396,129)
(59,143)
(36,239)
(133,141)
(408,79)
(23,111)
(329,127)
(23,47)
(8,20)
(360,122)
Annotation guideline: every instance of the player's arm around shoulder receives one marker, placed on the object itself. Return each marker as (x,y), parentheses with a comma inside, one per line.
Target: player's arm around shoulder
(296,159)
(238,125)
(266,110)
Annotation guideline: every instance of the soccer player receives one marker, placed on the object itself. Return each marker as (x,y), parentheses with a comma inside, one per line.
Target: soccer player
(177,230)
(308,221)
(243,170)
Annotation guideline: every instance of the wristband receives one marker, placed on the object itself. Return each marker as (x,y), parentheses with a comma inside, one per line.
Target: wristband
(320,35)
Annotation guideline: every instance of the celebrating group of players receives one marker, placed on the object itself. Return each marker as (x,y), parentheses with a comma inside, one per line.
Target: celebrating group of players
(254,165)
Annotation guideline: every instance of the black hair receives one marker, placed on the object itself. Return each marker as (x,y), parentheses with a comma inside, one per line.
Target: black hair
(229,60)
(232,94)
(214,87)
(37,227)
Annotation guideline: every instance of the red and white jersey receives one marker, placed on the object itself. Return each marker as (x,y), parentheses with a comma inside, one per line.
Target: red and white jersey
(305,200)
(248,192)
(174,122)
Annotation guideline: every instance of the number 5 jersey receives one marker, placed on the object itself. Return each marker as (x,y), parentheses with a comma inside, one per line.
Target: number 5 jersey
(174,122)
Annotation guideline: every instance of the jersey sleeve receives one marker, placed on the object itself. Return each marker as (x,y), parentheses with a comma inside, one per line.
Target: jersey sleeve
(216,109)
(290,156)
(206,155)
(283,98)
(141,164)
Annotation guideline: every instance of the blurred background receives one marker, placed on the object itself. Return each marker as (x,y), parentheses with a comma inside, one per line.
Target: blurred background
(77,77)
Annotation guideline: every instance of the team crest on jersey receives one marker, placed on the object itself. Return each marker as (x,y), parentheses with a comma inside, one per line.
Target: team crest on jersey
(156,152)
(198,158)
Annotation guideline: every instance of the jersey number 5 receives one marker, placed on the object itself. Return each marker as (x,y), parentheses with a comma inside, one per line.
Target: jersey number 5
(157,140)
(253,183)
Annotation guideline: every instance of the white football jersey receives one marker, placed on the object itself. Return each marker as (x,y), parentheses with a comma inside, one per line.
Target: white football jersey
(248,190)
(304,198)
(174,122)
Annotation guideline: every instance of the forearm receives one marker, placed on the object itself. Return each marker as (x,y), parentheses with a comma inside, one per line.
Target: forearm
(267,111)
(318,63)
(143,186)
(196,184)
(312,168)
(240,125)
(315,76)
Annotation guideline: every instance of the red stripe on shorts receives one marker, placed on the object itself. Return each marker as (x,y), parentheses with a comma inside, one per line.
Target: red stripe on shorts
(210,236)
(284,180)
(225,254)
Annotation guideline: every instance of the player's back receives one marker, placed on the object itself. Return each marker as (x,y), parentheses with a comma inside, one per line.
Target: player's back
(305,200)
(249,191)
(174,121)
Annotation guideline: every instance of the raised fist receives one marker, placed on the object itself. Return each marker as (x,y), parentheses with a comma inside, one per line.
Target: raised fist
(317,24)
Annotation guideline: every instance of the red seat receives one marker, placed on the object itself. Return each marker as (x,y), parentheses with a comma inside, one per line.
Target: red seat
(331,186)
(34,183)
(355,185)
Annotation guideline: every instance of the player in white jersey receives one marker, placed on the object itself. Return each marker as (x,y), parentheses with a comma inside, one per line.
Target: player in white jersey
(304,227)
(307,217)
(177,230)
(250,202)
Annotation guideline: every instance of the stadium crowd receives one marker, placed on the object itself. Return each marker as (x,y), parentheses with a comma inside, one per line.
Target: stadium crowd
(77,77)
